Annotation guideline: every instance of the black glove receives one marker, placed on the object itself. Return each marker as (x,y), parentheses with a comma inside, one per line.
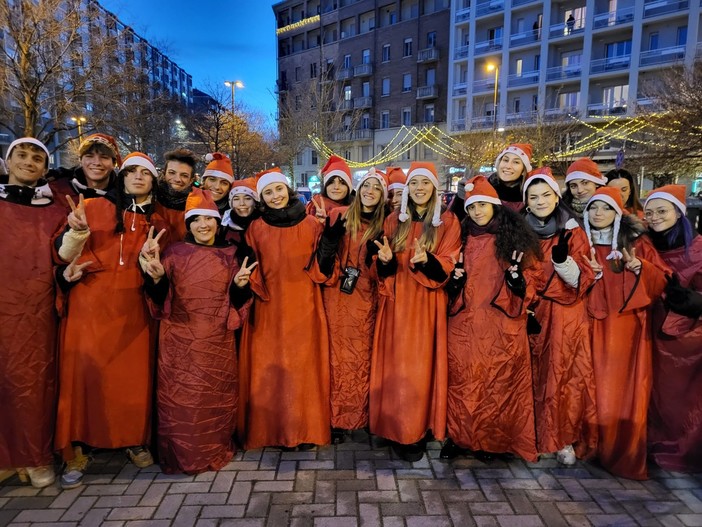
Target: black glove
(533,326)
(372,249)
(454,286)
(335,232)
(559,252)
(515,279)
(682,300)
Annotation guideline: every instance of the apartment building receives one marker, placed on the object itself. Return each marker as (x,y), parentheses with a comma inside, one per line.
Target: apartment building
(384,60)
(512,60)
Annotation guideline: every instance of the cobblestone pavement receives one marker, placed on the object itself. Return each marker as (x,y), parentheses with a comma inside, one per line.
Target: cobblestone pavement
(354,485)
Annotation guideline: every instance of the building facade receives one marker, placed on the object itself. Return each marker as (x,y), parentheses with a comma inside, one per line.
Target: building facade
(383,64)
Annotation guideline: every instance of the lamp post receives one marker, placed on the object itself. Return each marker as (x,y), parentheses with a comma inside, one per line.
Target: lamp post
(491,67)
(79,122)
(234,85)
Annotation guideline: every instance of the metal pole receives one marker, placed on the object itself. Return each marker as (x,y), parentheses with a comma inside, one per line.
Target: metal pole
(494,101)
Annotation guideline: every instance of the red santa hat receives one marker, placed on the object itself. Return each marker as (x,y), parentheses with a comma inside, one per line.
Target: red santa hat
(336,167)
(245,186)
(673,193)
(396,178)
(139,159)
(267,177)
(585,168)
(543,174)
(522,150)
(613,197)
(102,139)
(376,174)
(31,141)
(427,170)
(478,188)
(219,166)
(200,203)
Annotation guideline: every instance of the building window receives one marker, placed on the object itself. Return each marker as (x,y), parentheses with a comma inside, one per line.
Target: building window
(365,89)
(347,61)
(537,62)
(407,116)
(386,52)
(407,82)
(569,100)
(407,48)
(365,59)
(618,49)
(653,41)
(298,102)
(517,105)
(347,155)
(534,103)
(313,70)
(429,113)
(495,36)
(365,153)
(298,74)
(365,121)
(681,36)
(431,39)
(347,93)
(385,119)
(314,157)
(299,158)
(430,77)
(615,96)
(385,87)
(518,71)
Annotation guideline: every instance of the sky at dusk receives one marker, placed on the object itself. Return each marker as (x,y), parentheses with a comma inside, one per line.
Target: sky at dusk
(214,41)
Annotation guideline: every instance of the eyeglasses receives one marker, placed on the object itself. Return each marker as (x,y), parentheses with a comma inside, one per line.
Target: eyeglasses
(660,213)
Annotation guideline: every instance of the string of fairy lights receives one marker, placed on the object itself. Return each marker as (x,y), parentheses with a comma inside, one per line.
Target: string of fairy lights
(643,130)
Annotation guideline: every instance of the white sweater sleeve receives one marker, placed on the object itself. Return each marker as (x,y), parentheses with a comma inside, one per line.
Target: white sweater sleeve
(568,271)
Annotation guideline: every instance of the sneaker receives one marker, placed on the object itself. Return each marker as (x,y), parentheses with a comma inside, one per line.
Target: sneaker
(566,455)
(39,477)
(74,471)
(140,456)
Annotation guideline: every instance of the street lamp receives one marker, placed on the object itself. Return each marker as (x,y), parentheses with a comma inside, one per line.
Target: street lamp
(79,122)
(491,67)
(234,85)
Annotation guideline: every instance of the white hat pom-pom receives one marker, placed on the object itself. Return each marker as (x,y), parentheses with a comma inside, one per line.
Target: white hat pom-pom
(209,157)
(469,187)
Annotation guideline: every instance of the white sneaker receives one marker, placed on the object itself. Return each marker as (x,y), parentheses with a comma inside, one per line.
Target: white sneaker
(566,455)
(39,477)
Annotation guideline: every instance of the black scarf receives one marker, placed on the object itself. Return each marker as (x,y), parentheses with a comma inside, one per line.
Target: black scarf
(171,198)
(662,243)
(242,222)
(505,192)
(545,228)
(291,215)
(476,230)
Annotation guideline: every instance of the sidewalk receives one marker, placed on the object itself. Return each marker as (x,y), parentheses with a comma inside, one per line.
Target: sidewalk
(353,485)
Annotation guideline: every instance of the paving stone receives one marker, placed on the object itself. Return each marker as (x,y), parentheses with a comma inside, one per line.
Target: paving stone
(241,490)
(385,479)
(433,503)
(255,475)
(466,479)
(187,516)
(313,509)
(549,513)
(408,490)
(346,503)
(336,521)
(355,485)
(104,490)
(525,520)
(293,497)
(110,502)
(491,489)
(222,511)
(223,482)
(132,513)
(66,498)
(393,521)
(286,470)
(169,506)
(208,498)
(486,521)
(258,504)
(378,496)
(691,520)
(520,502)
(325,492)
(472,496)
(690,500)
(428,521)
(80,507)
(494,507)
(34,502)
(94,517)
(608,520)
(278,515)
(401,509)
(369,515)
(304,480)
(39,515)
(460,514)
(577,520)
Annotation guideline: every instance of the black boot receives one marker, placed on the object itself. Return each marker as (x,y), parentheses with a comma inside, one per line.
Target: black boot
(412,452)
(338,436)
(451,450)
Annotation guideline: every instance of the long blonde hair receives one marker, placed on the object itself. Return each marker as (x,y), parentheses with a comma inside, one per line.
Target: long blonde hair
(429,232)
(353,220)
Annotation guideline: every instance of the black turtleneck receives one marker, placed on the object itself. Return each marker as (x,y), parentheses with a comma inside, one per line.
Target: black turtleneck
(662,240)
(171,198)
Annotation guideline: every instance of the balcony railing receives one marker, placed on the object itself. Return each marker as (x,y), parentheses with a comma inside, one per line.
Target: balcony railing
(363,70)
(481,85)
(562,29)
(486,8)
(458,125)
(344,74)
(571,71)
(521,117)
(614,18)
(555,113)
(462,15)
(460,88)
(526,77)
(363,102)
(662,7)
(346,105)
(620,62)
(428,92)
(607,109)
(526,37)
(521,2)
(428,55)
(483,121)
(460,52)
(662,56)
(354,135)
(486,46)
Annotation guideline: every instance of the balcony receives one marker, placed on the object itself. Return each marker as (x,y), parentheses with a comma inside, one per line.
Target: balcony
(597,109)
(571,71)
(614,18)
(485,8)
(363,70)
(460,88)
(521,2)
(346,105)
(428,92)
(526,37)
(617,63)
(487,46)
(521,117)
(559,112)
(662,7)
(458,125)
(363,102)
(526,77)
(563,30)
(662,56)
(483,121)
(460,52)
(428,55)
(344,74)
(363,134)
(462,15)
(483,85)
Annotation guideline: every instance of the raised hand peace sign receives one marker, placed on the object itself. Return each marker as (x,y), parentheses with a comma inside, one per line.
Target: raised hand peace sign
(321,212)
(515,261)
(420,253)
(384,250)
(594,264)
(243,276)
(76,218)
(458,270)
(150,249)
(633,264)
(74,271)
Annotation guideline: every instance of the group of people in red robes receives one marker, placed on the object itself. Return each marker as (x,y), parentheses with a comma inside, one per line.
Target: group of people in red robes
(148,312)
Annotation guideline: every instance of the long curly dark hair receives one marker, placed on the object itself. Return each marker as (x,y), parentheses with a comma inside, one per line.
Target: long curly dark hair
(512,233)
